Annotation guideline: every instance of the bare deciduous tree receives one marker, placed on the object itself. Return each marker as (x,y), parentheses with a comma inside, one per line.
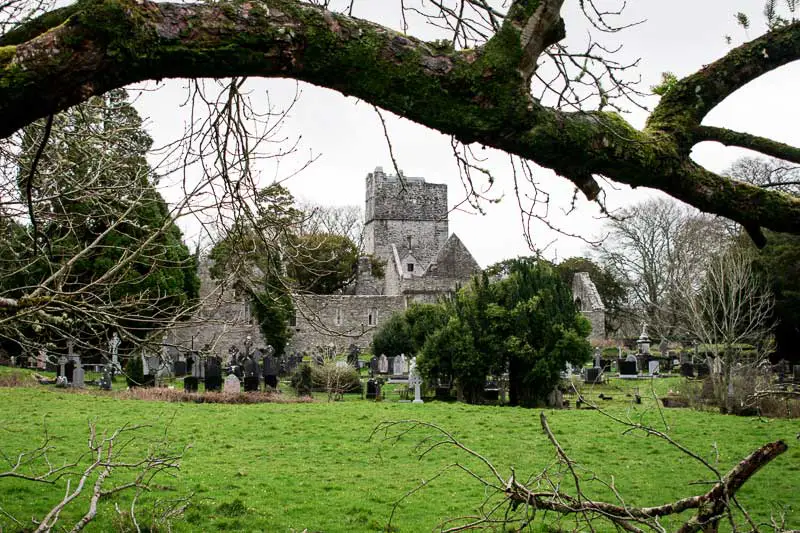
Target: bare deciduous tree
(655,247)
(730,312)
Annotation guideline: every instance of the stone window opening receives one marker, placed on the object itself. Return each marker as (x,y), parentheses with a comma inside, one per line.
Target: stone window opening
(578,304)
(372,317)
(293,319)
(410,267)
(338,316)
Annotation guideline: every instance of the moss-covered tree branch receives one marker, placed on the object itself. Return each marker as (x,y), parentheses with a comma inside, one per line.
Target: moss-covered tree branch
(477,95)
(688,101)
(751,142)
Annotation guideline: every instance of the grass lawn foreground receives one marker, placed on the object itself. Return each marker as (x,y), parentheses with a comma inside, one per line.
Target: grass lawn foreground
(292,467)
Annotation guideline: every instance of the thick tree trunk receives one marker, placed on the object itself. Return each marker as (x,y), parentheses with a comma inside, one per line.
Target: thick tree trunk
(479,95)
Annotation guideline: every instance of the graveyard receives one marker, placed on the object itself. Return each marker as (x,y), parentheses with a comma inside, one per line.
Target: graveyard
(312,466)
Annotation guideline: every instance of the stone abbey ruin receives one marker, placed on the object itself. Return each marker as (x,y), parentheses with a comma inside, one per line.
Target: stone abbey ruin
(406,229)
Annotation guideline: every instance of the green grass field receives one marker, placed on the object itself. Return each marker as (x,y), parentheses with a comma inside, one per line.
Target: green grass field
(290,467)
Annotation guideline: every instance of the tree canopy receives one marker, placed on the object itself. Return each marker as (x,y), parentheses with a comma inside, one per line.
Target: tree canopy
(99,250)
(475,87)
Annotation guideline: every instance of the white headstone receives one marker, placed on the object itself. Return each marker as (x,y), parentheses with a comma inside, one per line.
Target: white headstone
(400,367)
(232,384)
(41,360)
(383,364)
(653,367)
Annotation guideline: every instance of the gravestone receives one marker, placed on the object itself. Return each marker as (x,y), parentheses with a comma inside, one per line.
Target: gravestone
(41,359)
(373,389)
(598,358)
(62,363)
(400,367)
(702,370)
(190,384)
(78,374)
(383,364)
(105,379)
(415,380)
(687,370)
(592,375)
(251,374)
(213,374)
(628,369)
(232,385)
(270,371)
(69,370)
(633,359)
(796,374)
(373,366)
(653,367)
(179,368)
(113,347)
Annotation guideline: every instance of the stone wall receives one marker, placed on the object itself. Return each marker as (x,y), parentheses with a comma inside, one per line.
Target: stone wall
(322,321)
(598,321)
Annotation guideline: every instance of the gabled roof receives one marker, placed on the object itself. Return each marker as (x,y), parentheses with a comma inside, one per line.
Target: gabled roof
(454,261)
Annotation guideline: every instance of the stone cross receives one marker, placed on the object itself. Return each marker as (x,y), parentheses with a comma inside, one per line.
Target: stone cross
(62,363)
(415,380)
(113,345)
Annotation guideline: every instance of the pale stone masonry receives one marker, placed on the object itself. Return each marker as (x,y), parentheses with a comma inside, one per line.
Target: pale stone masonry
(406,227)
(589,303)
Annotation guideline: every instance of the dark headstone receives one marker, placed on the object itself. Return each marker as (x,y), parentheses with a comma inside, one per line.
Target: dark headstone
(190,384)
(797,373)
(271,381)
(213,374)
(69,369)
(687,370)
(214,383)
(179,368)
(702,370)
(592,375)
(251,383)
(105,379)
(270,366)
(373,365)
(627,368)
(373,389)
(251,369)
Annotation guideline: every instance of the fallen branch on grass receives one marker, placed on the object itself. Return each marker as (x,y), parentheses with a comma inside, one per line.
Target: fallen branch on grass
(108,455)
(513,502)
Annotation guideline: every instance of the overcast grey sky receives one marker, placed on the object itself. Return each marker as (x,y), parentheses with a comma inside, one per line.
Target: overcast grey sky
(678,36)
